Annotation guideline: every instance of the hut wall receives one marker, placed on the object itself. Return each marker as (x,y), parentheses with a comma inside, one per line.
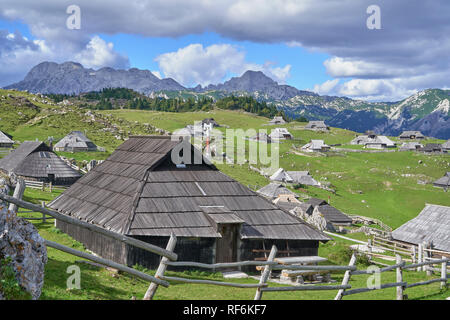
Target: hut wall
(105,247)
(188,249)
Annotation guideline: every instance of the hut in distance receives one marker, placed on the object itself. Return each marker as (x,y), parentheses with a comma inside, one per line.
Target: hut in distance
(35,161)
(317,126)
(75,141)
(5,140)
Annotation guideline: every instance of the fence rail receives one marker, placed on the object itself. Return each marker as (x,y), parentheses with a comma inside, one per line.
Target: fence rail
(169,259)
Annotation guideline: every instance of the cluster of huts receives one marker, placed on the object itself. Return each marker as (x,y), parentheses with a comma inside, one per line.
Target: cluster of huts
(197,130)
(373,141)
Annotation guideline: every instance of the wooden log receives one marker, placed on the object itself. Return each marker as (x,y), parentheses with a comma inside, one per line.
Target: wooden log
(291,274)
(219,265)
(427,254)
(399,278)
(266,273)
(106,262)
(382,286)
(161,269)
(420,258)
(346,278)
(122,238)
(18,194)
(307,287)
(444,275)
(43,214)
(422,283)
(309,267)
(217,283)
(415,265)
(388,268)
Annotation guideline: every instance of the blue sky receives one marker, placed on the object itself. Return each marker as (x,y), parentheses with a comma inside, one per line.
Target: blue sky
(330,47)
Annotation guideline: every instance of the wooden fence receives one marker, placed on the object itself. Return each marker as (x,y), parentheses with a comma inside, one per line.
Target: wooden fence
(169,258)
(16,202)
(43,185)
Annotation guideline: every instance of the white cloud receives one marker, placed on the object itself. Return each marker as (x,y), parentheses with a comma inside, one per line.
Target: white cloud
(326,87)
(195,64)
(99,53)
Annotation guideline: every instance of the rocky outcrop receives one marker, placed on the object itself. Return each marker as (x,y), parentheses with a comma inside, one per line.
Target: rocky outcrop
(73,78)
(20,241)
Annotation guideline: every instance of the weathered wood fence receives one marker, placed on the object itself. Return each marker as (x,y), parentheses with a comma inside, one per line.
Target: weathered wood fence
(169,258)
(43,185)
(16,203)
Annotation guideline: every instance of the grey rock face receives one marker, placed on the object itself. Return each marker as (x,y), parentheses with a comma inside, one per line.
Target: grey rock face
(257,81)
(20,240)
(73,78)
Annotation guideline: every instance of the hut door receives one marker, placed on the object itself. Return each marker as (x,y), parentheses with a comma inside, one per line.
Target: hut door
(226,248)
(51,178)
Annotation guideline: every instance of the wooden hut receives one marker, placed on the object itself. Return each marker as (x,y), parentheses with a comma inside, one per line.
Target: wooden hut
(139,192)
(316,146)
(5,140)
(277,120)
(412,135)
(432,225)
(75,141)
(34,160)
(317,126)
(443,182)
(273,190)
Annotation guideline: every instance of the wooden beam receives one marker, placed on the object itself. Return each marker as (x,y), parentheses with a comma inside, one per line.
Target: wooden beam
(106,262)
(266,273)
(307,287)
(218,265)
(444,275)
(18,194)
(92,227)
(161,269)
(346,278)
(399,278)
(217,283)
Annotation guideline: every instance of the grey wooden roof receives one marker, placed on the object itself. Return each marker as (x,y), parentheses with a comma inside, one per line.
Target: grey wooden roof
(316,124)
(35,159)
(446,145)
(407,134)
(432,224)
(273,190)
(139,191)
(4,138)
(316,202)
(333,215)
(75,139)
(444,181)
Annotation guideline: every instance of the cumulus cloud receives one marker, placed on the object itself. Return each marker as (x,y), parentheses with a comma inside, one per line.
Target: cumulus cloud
(195,64)
(99,53)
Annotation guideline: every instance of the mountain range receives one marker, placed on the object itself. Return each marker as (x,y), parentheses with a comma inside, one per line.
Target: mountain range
(427,111)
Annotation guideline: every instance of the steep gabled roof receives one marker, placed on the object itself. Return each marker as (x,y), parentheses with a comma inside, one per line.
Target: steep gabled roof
(13,159)
(316,124)
(4,138)
(75,139)
(139,191)
(432,224)
(444,181)
(333,215)
(446,145)
(273,190)
(407,134)
(316,202)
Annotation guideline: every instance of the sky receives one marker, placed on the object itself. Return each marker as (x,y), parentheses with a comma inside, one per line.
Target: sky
(374,50)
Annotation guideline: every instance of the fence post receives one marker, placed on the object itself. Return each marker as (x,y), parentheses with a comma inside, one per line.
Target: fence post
(444,275)
(161,269)
(266,273)
(420,256)
(369,248)
(413,254)
(43,186)
(18,193)
(44,219)
(51,185)
(399,277)
(346,279)
(427,254)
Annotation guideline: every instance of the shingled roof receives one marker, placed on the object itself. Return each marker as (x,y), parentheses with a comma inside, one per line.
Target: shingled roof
(35,159)
(273,190)
(75,140)
(138,191)
(432,224)
(333,215)
(5,138)
(443,182)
